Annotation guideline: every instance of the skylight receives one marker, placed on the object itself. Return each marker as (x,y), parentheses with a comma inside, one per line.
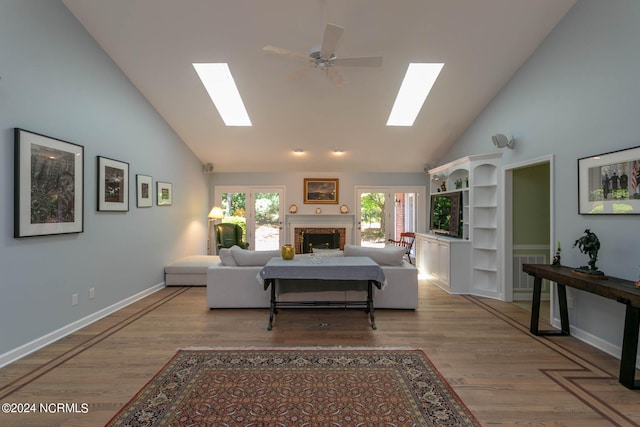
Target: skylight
(415,88)
(217,79)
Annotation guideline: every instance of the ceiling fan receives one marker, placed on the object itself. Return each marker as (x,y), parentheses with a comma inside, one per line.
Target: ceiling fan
(324,57)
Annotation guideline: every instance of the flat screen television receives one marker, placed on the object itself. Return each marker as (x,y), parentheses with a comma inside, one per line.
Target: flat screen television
(446,214)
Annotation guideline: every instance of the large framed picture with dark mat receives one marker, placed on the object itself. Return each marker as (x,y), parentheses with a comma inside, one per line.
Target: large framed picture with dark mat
(609,183)
(113,185)
(321,190)
(48,185)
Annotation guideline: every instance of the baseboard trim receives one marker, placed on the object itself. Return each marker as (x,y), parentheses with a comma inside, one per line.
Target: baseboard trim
(605,346)
(30,347)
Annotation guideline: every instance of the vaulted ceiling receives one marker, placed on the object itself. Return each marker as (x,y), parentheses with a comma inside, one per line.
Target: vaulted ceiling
(482,43)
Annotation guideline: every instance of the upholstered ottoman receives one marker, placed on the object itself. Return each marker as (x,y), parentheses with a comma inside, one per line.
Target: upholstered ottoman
(189,271)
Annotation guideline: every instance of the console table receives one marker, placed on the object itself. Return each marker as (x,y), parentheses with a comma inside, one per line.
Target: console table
(623,291)
(323,272)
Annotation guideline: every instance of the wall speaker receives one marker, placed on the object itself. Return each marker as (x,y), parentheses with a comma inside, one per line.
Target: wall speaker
(207,169)
(501,141)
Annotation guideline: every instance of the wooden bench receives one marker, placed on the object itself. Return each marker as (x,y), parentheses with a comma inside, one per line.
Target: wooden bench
(623,291)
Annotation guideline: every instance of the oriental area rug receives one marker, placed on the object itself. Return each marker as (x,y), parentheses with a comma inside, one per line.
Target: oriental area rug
(301,387)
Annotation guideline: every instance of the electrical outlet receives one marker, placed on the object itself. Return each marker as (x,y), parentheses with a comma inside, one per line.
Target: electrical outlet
(74,300)
(92,293)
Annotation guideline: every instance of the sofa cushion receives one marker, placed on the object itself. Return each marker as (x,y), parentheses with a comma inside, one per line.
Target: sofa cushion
(245,257)
(389,255)
(226,257)
(194,264)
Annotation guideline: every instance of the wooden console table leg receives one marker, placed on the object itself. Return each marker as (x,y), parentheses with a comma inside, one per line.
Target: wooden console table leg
(564,309)
(535,309)
(535,305)
(630,347)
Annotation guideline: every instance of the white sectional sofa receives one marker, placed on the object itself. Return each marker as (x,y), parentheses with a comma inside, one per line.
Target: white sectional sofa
(232,282)
(189,271)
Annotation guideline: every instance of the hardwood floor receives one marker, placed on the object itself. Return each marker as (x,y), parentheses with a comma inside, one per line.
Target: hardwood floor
(482,347)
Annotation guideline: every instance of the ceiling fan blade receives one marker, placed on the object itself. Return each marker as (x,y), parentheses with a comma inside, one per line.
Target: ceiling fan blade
(298,74)
(364,61)
(330,39)
(334,76)
(288,53)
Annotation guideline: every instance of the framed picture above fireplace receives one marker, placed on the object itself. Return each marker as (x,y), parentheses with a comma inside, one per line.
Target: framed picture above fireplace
(321,190)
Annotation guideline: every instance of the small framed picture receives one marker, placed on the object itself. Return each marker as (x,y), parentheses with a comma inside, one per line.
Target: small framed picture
(164,194)
(49,185)
(113,185)
(144,191)
(321,190)
(609,183)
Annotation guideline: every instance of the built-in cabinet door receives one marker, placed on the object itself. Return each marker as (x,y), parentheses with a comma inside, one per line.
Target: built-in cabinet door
(443,262)
(434,259)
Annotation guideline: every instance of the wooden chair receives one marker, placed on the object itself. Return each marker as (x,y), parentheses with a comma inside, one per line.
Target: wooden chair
(406,240)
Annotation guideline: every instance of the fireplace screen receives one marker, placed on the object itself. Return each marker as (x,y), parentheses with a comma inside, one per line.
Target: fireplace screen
(320,241)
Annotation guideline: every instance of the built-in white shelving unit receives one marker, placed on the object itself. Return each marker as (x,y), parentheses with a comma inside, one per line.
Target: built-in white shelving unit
(469,264)
(484,231)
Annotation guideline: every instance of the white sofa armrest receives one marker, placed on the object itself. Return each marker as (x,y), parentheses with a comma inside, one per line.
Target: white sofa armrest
(235,287)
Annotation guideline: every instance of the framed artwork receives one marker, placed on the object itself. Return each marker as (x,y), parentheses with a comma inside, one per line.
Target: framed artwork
(48,185)
(321,190)
(164,194)
(144,191)
(609,183)
(113,185)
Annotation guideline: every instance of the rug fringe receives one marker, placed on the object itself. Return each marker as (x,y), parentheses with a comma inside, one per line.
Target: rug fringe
(298,348)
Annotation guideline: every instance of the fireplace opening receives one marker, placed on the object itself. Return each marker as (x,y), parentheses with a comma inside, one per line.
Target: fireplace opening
(320,241)
(307,238)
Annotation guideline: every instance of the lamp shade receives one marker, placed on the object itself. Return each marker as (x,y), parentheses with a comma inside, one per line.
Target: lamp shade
(216,213)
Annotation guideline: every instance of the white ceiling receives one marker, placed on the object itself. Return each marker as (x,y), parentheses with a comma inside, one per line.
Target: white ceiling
(482,43)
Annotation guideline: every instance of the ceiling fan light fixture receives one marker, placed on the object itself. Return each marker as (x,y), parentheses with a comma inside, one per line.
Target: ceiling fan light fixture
(415,88)
(222,89)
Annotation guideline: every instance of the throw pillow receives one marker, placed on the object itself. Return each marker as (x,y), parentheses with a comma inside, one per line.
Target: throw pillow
(226,257)
(247,258)
(389,255)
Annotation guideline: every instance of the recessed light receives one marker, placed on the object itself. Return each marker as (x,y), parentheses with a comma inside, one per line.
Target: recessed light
(222,89)
(338,152)
(298,151)
(415,88)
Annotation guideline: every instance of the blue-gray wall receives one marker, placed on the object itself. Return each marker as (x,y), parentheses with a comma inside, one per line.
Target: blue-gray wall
(578,95)
(56,80)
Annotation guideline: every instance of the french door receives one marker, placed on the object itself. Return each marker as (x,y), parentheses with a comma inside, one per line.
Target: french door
(385,212)
(258,210)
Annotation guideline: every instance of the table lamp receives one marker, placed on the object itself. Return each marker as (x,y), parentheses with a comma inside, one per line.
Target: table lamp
(214,215)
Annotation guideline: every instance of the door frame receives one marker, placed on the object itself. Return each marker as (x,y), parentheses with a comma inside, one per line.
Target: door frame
(390,190)
(507,264)
(250,191)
